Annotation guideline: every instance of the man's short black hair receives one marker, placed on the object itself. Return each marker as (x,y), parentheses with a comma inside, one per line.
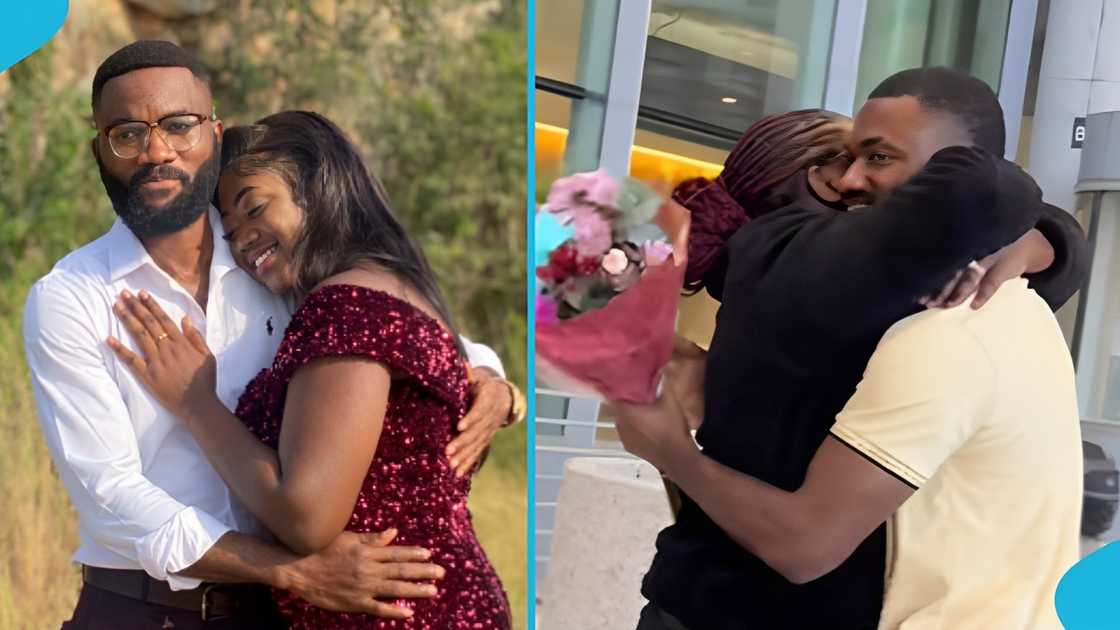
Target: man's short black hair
(967,98)
(145,54)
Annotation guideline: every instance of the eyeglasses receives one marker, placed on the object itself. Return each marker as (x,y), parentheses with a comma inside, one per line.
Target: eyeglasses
(180,132)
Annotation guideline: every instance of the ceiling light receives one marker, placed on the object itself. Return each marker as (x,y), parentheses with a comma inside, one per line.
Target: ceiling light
(729,99)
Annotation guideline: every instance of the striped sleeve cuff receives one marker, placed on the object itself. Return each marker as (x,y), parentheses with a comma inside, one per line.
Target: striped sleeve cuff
(879,457)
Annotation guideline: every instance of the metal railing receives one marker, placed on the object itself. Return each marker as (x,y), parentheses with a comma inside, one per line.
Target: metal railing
(568,426)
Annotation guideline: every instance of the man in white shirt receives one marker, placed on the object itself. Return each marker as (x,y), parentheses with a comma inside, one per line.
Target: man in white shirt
(963,435)
(155,518)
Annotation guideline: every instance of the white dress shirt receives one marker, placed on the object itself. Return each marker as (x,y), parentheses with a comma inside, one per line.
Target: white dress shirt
(146,495)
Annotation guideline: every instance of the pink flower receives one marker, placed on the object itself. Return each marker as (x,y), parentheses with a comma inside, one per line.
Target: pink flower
(546,311)
(580,193)
(593,234)
(656,252)
(615,262)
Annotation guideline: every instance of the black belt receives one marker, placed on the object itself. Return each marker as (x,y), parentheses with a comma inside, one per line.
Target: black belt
(211,601)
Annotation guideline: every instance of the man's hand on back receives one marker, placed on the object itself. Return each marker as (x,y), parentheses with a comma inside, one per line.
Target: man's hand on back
(358,572)
(491,404)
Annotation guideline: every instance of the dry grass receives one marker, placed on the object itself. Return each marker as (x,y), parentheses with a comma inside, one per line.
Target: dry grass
(499,504)
(38,529)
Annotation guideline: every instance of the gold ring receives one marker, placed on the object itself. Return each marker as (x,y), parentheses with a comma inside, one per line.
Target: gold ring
(162,337)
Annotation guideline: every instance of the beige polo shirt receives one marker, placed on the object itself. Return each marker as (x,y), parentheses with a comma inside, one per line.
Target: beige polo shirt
(977,411)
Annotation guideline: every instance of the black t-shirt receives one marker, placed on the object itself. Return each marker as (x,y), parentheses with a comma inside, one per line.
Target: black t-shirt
(807,295)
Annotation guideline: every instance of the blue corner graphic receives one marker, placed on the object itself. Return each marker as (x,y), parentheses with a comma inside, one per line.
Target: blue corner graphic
(27,26)
(1087,595)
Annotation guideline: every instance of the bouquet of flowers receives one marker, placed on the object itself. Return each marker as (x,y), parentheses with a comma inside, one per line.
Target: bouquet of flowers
(610,267)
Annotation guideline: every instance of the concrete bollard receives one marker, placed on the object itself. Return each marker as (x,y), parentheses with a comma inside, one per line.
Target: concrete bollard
(608,514)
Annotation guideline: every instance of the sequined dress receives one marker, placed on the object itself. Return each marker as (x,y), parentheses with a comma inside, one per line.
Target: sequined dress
(411,485)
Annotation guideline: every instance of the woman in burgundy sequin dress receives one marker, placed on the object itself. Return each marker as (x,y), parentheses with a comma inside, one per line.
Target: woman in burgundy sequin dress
(348,428)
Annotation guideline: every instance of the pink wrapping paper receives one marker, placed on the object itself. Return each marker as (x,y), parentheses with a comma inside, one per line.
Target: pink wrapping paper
(617,352)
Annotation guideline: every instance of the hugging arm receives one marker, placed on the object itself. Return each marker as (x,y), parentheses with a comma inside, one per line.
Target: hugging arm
(905,420)
(880,259)
(305,490)
(801,535)
(333,415)
(491,408)
(1070,268)
(1053,257)
(804,534)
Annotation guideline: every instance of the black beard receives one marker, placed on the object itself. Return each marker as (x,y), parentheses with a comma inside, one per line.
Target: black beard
(147,221)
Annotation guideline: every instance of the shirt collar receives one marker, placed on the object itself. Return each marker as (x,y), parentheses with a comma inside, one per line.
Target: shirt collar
(222,262)
(127,253)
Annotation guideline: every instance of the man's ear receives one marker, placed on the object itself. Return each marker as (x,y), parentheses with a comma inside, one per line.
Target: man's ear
(219,129)
(94,149)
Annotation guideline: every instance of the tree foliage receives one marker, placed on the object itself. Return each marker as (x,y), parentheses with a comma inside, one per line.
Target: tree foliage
(51,198)
(431,90)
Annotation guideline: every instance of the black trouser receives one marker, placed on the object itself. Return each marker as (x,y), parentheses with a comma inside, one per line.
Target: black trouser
(99,609)
(653,618)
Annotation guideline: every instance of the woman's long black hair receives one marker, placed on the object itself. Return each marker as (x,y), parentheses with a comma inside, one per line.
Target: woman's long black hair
(347,219)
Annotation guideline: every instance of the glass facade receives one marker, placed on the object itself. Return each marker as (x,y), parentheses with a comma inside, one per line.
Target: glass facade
(711,68)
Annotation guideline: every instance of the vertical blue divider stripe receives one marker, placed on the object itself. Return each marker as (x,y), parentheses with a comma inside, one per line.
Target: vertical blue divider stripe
(27,26)
(530,304)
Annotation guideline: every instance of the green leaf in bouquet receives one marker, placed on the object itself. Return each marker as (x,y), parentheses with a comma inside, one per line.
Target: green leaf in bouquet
(598,295)
(584,294)
(637,202)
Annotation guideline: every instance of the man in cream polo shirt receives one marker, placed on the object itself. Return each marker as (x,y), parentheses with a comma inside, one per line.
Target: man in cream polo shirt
(975,410)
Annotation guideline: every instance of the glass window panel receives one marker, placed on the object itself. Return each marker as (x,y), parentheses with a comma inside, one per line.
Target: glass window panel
(551,138)
(898,34)
(558,30)
(574,41)
(722,64)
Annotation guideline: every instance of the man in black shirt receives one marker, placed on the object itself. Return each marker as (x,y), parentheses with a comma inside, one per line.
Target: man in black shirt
(782,525)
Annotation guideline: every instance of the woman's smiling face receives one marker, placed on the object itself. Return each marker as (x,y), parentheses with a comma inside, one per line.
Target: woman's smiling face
(262,224)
